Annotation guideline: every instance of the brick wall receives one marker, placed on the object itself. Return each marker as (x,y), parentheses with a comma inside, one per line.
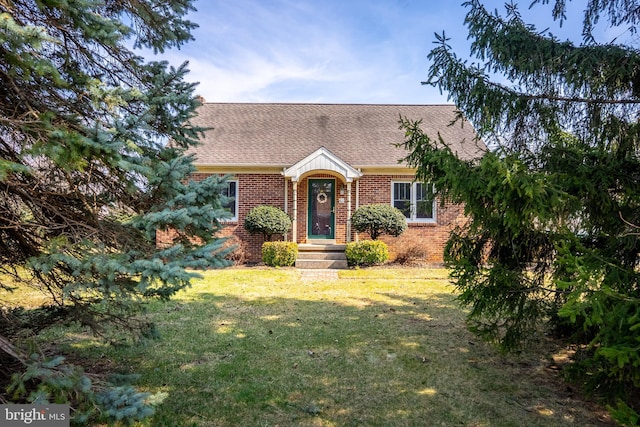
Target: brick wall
(422,242)
(254,190)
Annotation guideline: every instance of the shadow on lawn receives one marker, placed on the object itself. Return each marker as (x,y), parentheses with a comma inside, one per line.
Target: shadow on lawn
(388,360)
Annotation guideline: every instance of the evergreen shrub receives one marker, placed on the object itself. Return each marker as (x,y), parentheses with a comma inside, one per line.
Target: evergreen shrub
(267,220)
(377,219)
(366,252)
(279,254)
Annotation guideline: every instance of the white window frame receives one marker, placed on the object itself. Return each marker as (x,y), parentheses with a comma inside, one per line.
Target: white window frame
(413,202)
(235,216)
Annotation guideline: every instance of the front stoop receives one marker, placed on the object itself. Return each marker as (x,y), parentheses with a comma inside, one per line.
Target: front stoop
(321,256)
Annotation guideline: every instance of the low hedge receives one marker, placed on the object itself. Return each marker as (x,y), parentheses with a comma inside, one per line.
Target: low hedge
(367,252)
(279,254)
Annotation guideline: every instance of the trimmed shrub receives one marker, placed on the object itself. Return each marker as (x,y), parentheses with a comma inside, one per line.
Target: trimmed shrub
(267,220)
(279,254)
(367,252)
(377,219)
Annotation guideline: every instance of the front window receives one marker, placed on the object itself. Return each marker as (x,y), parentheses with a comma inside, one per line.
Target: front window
(424,201)
(415,200)
(229,195)
(402,197)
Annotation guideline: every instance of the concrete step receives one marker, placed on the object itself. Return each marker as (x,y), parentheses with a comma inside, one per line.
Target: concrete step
(322,264)
(316,247)
(321,255)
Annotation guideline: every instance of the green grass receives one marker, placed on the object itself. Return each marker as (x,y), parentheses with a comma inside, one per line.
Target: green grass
(377,347)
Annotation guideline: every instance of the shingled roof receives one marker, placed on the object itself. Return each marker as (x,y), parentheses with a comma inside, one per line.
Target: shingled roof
(363,135)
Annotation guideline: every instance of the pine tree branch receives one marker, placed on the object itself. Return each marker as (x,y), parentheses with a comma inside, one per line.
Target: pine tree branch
(630,225)
(11,350)
(593,101)
(557,98)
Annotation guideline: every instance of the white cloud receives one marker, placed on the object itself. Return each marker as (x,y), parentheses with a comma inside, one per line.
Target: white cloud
(242,53)
(241,84)
(360,51)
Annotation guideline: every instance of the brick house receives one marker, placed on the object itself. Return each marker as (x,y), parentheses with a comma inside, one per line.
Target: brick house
(320,162)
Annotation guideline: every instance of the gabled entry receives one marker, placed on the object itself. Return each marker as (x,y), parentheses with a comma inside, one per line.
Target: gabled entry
(322,160)
(320,203)
(321,209)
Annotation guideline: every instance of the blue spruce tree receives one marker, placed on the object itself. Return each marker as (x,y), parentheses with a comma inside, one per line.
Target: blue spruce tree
(92,164)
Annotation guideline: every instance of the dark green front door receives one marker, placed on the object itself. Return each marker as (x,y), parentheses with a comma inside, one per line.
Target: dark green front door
(322,210)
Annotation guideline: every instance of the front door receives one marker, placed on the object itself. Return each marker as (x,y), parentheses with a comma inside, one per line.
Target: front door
(322,212)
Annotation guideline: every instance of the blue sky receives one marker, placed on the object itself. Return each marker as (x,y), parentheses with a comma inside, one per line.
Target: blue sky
(329,51)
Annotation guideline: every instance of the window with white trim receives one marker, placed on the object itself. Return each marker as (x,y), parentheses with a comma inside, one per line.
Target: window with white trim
(229,200)
(416,200)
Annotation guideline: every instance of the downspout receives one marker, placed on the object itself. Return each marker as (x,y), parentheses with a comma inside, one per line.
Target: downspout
(286,198)
(349,211)
(357,200)
(295,211)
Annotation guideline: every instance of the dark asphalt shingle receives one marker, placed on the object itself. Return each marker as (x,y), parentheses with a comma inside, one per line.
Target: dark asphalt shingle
(281,134)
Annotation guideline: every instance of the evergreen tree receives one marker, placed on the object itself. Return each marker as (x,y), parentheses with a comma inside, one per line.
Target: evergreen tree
(92,143)
(554,207)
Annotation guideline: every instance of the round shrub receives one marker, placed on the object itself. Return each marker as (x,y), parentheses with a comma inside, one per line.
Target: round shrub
(366,252)
(378,219)
(279,254)
(267,220)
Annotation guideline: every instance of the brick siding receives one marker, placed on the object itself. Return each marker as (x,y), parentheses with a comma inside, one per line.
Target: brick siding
(422,242)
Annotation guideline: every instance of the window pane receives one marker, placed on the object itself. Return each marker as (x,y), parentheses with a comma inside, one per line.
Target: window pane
(424,200)
(402,197)
(229,197)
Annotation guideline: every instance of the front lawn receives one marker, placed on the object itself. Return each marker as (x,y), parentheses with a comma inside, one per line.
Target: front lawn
(376,347)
